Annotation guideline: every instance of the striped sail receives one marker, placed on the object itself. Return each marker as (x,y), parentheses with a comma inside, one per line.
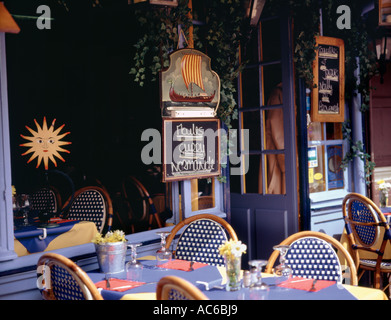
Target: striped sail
(191,70)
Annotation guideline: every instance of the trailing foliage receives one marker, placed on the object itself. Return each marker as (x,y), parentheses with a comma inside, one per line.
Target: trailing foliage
(357,54)
(218,36)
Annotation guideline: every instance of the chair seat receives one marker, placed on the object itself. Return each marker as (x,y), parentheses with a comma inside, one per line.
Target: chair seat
(385,265)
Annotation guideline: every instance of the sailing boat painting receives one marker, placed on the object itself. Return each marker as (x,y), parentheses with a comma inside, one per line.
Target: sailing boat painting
(189,83)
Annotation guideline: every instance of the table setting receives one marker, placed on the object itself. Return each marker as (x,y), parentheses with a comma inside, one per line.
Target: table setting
(139,277)
(50,234)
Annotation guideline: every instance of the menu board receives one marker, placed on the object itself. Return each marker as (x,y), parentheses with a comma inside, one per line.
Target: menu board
(190,148)
(328,92)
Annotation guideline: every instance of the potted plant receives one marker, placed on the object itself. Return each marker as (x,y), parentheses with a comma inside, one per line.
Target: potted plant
(111,251)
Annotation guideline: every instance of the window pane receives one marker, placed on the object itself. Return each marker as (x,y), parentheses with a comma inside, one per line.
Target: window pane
(250,88)
(333,131)
(271,47)
(275,165)
(315,132)
(251,121)
(253,174)
(335,172)
(272,84)
(316,169)
(202,194)
(274,129)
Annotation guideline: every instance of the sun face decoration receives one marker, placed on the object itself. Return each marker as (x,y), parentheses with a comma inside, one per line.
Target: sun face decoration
(45,143)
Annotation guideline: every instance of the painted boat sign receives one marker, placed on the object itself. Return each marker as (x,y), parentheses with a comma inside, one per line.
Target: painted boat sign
(189,88)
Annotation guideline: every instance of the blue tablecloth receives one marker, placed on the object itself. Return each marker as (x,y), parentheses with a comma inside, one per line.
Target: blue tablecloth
(28,236)
(212,275)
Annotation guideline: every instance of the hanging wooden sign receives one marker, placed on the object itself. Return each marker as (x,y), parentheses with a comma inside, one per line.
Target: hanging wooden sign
(328,94)
(190,148)
(189,88)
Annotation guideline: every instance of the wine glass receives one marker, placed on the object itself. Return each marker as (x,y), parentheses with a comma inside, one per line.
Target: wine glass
(258,289)
(283,271)
(134,268)
(163,255)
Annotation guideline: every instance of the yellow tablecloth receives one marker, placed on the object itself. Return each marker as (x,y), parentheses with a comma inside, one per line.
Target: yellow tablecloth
(81,233)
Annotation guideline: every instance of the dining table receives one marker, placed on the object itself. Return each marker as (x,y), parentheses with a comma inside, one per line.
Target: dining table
(211,281)
(57,233)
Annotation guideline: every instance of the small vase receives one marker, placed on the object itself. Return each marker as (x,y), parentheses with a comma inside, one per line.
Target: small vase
(383,199)
(233,266)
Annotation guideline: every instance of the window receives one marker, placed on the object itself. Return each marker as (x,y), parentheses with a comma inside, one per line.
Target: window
(325,154)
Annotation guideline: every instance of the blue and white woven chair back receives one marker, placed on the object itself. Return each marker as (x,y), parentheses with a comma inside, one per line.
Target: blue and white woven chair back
(361,213)
(200,242)
(176,293)
(66,285)
(89,206)
(314,258)
(43,200)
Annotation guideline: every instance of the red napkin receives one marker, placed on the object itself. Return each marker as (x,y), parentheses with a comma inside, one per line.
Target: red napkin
(183,265)
(119,284)
(305,284)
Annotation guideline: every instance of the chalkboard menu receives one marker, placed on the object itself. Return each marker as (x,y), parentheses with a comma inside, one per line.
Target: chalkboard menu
(190,148)
(328,92)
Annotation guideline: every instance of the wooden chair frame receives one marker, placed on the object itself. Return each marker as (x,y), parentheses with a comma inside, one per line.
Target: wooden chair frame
(314,234)
(186,288)
(86,285)
(180,225)
(147,200)
(357,244)
(107,199)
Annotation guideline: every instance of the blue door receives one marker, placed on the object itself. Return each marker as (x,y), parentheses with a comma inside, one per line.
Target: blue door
(264,196)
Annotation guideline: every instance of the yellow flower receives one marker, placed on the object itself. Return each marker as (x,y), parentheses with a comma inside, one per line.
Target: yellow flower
(13,190)
(111,236)
(232,248)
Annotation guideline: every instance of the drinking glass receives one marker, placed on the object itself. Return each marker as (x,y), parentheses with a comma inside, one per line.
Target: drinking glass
(163,255)
(134,268)
(258,289)
(283,270)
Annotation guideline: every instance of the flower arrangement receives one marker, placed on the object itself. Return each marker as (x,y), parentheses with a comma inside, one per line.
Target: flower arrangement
(110,237)
(232,249)
(232,252)
(384,186)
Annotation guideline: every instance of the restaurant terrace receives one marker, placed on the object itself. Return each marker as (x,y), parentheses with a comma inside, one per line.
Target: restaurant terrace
(195,150)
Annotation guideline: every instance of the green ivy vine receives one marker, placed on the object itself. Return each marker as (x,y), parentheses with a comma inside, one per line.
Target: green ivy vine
(357,54)
(223,31)
(219,36)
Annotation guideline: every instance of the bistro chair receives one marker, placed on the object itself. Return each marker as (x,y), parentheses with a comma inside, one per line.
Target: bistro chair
(367,230)
(91,203)
(61,279)
(175,288)
(140,207)
(45,199)
(312,255)
(201,238)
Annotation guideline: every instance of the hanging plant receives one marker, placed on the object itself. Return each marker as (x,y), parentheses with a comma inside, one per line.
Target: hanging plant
(221,34)
(357,55)
(158,38)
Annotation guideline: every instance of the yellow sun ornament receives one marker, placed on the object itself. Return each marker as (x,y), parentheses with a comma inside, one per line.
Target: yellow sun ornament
(45,143)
